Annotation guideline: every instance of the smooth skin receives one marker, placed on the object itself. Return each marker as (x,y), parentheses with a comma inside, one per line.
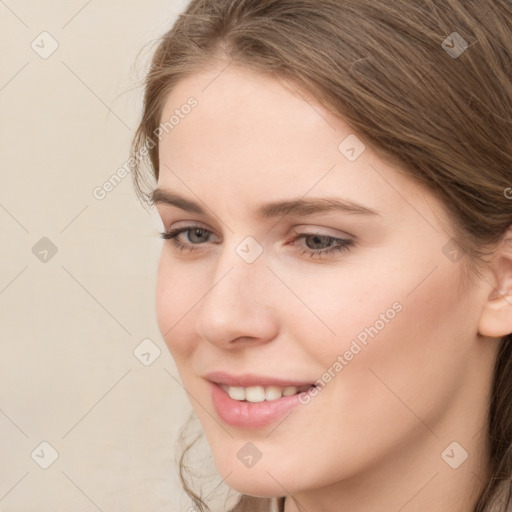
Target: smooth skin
(372,439)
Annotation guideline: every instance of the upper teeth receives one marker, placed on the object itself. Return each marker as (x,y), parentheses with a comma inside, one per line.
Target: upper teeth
(259,393)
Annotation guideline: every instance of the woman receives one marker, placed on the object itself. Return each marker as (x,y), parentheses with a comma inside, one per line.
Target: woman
(335,284)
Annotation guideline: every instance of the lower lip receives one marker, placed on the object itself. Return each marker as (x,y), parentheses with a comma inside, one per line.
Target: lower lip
(251,414)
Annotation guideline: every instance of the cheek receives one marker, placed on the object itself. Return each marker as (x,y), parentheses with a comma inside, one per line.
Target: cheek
(177,293)
(419,356)
(403,325)
(380,296)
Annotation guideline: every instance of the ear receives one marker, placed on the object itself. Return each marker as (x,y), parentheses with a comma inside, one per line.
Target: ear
(496,318)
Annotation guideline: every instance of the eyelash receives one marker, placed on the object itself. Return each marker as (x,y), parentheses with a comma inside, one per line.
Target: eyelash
(344,245)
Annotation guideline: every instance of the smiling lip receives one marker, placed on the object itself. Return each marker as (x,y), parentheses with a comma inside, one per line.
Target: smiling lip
(245,414)
(247,380)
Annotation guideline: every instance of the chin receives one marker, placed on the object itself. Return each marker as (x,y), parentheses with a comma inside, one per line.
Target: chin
(264,479)
(258,486)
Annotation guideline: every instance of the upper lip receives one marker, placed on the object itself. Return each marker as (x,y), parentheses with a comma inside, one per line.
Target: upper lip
(247,379)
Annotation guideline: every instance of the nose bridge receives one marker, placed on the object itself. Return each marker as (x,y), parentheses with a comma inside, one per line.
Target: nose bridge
(241,270)
(236,287)
(238,302)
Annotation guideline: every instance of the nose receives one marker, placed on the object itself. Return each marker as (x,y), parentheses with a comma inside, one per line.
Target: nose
(238,306)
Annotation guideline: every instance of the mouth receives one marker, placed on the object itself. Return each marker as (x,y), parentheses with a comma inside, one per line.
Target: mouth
(256,394)
(252,401)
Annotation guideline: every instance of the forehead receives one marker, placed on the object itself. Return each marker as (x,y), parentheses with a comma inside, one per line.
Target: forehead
(253,109)
(256,135)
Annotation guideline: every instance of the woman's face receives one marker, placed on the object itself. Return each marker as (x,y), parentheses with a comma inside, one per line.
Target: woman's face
(304,258)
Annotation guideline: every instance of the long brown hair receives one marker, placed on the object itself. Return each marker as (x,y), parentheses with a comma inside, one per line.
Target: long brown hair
(427,84)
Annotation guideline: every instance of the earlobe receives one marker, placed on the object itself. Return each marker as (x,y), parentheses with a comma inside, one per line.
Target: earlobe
(496,317)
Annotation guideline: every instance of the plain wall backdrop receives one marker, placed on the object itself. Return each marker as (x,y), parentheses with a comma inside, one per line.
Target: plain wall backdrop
(85,424)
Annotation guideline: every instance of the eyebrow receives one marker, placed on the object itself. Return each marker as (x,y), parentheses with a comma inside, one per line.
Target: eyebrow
(300,207)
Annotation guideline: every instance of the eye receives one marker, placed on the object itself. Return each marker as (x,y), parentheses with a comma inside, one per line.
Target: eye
(318,245)
(318,241)
(197,235)
(194,235)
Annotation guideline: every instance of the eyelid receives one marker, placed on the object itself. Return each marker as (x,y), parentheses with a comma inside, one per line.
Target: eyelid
(190,224)
(323,231)
(298,230)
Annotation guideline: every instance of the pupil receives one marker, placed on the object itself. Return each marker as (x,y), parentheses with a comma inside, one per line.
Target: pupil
(197,233)
(317,240)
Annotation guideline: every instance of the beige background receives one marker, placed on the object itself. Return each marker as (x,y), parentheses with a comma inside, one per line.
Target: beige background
(70,322)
